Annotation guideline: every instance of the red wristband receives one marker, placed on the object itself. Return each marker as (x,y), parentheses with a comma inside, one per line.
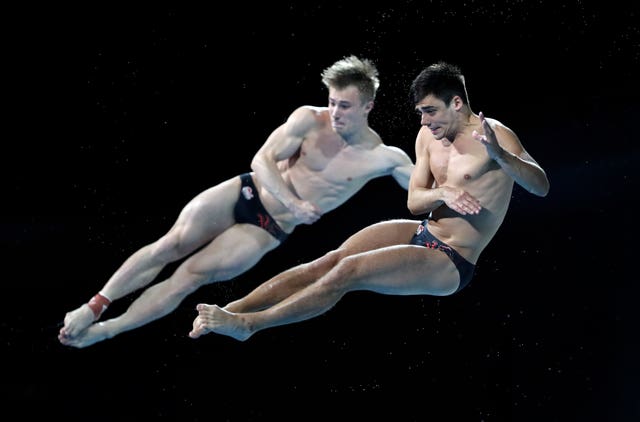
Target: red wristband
(98,305)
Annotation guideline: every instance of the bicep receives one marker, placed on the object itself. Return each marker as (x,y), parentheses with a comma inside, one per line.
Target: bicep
(509,141)
(421,176)
(285,141)
(402,174)
(400,161)
(281,144)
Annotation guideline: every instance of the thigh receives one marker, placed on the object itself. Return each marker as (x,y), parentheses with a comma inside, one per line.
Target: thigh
(403,270)
(232,253)
(209,213)
(380,235)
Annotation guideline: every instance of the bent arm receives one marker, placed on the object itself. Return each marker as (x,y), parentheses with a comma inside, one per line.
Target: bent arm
(525,171)
(504,147)
(422,196)
(283,143)
(425,196)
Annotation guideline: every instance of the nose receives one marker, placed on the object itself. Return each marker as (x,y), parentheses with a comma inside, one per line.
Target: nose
(424,119)
(335,112)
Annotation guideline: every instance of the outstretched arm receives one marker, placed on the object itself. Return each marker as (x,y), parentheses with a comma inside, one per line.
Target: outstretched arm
(403,167)
(504,147)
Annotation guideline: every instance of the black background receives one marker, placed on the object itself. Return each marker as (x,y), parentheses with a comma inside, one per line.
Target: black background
(119,115)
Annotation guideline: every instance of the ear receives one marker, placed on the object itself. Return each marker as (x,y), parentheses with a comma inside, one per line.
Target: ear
(457,102)
(368,107)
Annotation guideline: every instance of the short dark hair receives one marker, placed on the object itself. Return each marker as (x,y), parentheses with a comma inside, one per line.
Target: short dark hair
(441,79)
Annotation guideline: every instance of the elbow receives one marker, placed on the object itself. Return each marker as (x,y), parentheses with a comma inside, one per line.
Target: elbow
(543,185)
(543,192)
(256,164)
(543,189)
(417,206)
(413,209)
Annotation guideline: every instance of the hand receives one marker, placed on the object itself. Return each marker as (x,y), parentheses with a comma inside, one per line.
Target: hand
(306,212)
(489,139)
(461,201)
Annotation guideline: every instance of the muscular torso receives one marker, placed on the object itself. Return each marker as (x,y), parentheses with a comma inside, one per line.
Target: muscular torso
(465,164)
(327,170)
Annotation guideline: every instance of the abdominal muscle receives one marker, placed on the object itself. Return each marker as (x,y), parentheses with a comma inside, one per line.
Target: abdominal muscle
(308,186)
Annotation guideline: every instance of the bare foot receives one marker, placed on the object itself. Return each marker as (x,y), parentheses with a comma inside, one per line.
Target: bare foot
(212,318)
(93,334)
(75,322)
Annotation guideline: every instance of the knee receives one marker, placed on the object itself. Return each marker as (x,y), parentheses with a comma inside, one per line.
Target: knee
(169,248)
(327,261)
(187,280)
(343,275)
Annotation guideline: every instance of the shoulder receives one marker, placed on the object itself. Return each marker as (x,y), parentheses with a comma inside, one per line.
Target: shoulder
(424,138)
(391,152)
(506,137)
(307,112)
(499,128)
(398,155)
(306,118)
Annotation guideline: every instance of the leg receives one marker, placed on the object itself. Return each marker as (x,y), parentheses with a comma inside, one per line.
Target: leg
(290,281)
(284,284)
(398,268)
(194,227)
(228,255)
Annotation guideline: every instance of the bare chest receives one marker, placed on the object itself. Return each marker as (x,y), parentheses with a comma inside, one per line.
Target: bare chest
(456,167)
(338,161)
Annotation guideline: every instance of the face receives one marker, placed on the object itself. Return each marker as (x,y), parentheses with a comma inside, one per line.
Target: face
(348,114)
(439,117)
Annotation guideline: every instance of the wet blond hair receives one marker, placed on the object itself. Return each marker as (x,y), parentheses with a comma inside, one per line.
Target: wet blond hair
(352,70)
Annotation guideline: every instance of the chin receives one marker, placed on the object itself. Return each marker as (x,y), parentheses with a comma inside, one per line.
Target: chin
(340,131)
